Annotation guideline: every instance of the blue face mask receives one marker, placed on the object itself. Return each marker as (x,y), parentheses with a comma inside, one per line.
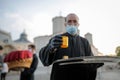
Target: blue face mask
(71,29)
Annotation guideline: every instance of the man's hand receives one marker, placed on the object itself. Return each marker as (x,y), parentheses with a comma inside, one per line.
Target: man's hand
(56,42)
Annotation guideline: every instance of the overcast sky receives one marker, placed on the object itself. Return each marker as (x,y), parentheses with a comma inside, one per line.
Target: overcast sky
(99,17)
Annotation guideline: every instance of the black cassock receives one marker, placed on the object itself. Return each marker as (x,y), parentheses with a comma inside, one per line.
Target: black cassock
(77,47)
(28,73)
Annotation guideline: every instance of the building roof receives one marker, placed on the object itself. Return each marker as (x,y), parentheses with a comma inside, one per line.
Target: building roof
(5,33)
(23,38)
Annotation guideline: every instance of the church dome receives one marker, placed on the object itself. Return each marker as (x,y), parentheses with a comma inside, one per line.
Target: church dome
(23,38)
(23,35)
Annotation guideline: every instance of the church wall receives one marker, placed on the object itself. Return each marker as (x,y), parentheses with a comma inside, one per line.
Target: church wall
(58,24)
(21,46)
(5,38)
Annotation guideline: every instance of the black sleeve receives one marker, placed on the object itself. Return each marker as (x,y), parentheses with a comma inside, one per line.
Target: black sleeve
(33,65)
(1,61)
(88,51)
(46,55)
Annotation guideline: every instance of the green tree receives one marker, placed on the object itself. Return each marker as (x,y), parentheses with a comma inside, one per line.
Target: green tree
(118,51)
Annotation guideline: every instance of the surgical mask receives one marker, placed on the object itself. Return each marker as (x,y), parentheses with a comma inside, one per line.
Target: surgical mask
(30,50)
(71,29)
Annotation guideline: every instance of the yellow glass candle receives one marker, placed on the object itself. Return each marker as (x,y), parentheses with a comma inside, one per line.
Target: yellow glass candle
(65,42)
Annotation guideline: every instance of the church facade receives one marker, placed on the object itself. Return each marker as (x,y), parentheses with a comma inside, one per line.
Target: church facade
(10,45)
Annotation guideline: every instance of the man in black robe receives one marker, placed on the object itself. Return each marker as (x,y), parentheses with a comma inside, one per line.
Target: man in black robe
(77,45)
(28,73)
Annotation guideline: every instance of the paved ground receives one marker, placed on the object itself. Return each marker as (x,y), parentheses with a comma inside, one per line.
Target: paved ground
(103,76)
(16,77)
(43,73)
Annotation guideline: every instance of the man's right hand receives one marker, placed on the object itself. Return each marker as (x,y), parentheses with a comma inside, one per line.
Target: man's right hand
(56,41)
